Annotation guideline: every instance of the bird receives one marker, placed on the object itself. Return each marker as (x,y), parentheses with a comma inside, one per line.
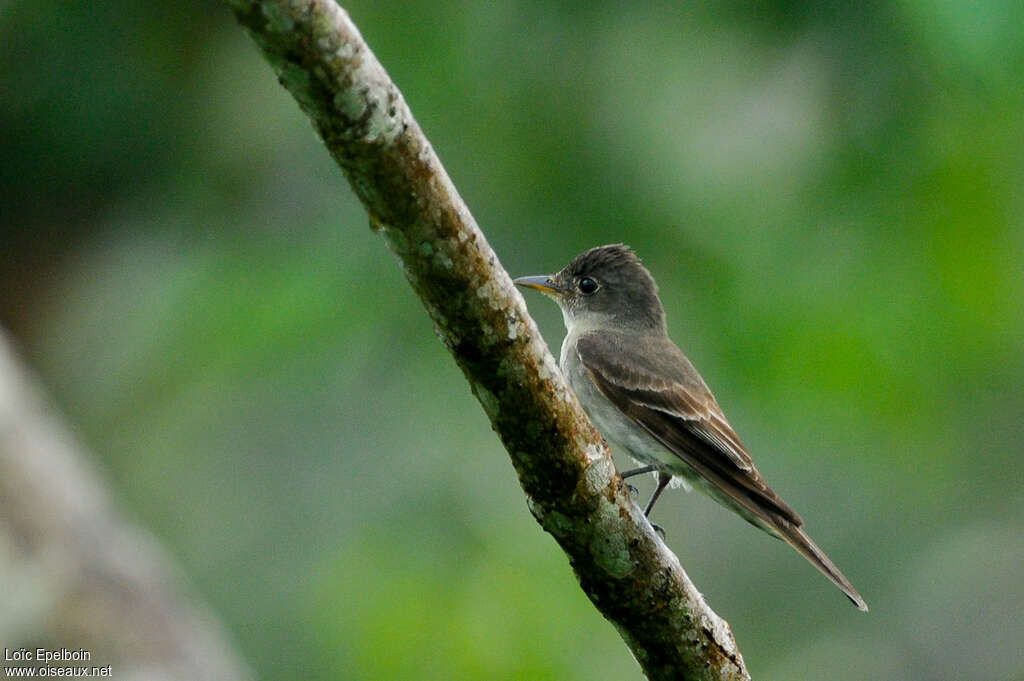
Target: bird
(649,402)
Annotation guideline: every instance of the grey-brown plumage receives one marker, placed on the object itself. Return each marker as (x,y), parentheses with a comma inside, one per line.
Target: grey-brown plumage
(649,401)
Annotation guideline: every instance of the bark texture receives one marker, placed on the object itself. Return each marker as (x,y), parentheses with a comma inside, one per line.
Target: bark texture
(572,486)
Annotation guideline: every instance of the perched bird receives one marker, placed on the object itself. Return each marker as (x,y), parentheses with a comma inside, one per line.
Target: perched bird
(649,402)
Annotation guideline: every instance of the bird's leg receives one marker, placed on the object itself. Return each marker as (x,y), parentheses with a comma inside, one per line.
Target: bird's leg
(663,480)
(636,471)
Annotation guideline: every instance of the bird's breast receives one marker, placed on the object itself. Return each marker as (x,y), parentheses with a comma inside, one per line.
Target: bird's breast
(623,434)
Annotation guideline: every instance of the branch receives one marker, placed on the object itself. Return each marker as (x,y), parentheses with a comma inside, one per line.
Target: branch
(572,486)
(76,574)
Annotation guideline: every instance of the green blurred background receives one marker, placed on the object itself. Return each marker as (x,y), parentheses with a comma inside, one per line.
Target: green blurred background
(829,193)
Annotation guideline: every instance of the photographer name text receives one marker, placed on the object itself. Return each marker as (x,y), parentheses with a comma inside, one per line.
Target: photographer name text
(46,655)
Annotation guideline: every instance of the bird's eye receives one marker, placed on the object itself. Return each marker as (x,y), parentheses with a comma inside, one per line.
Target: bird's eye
(587,286)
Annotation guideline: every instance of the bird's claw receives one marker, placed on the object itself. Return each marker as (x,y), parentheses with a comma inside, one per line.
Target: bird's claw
(659,529)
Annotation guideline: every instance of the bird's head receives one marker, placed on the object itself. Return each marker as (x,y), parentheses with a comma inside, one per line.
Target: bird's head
(601,286)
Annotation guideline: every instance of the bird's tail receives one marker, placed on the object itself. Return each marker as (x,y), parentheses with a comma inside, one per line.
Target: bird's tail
(798,539)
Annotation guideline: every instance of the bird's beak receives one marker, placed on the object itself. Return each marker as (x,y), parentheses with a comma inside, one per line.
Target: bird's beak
(542,283)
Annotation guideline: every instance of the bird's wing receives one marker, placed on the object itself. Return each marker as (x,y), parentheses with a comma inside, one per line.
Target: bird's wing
(676,407)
